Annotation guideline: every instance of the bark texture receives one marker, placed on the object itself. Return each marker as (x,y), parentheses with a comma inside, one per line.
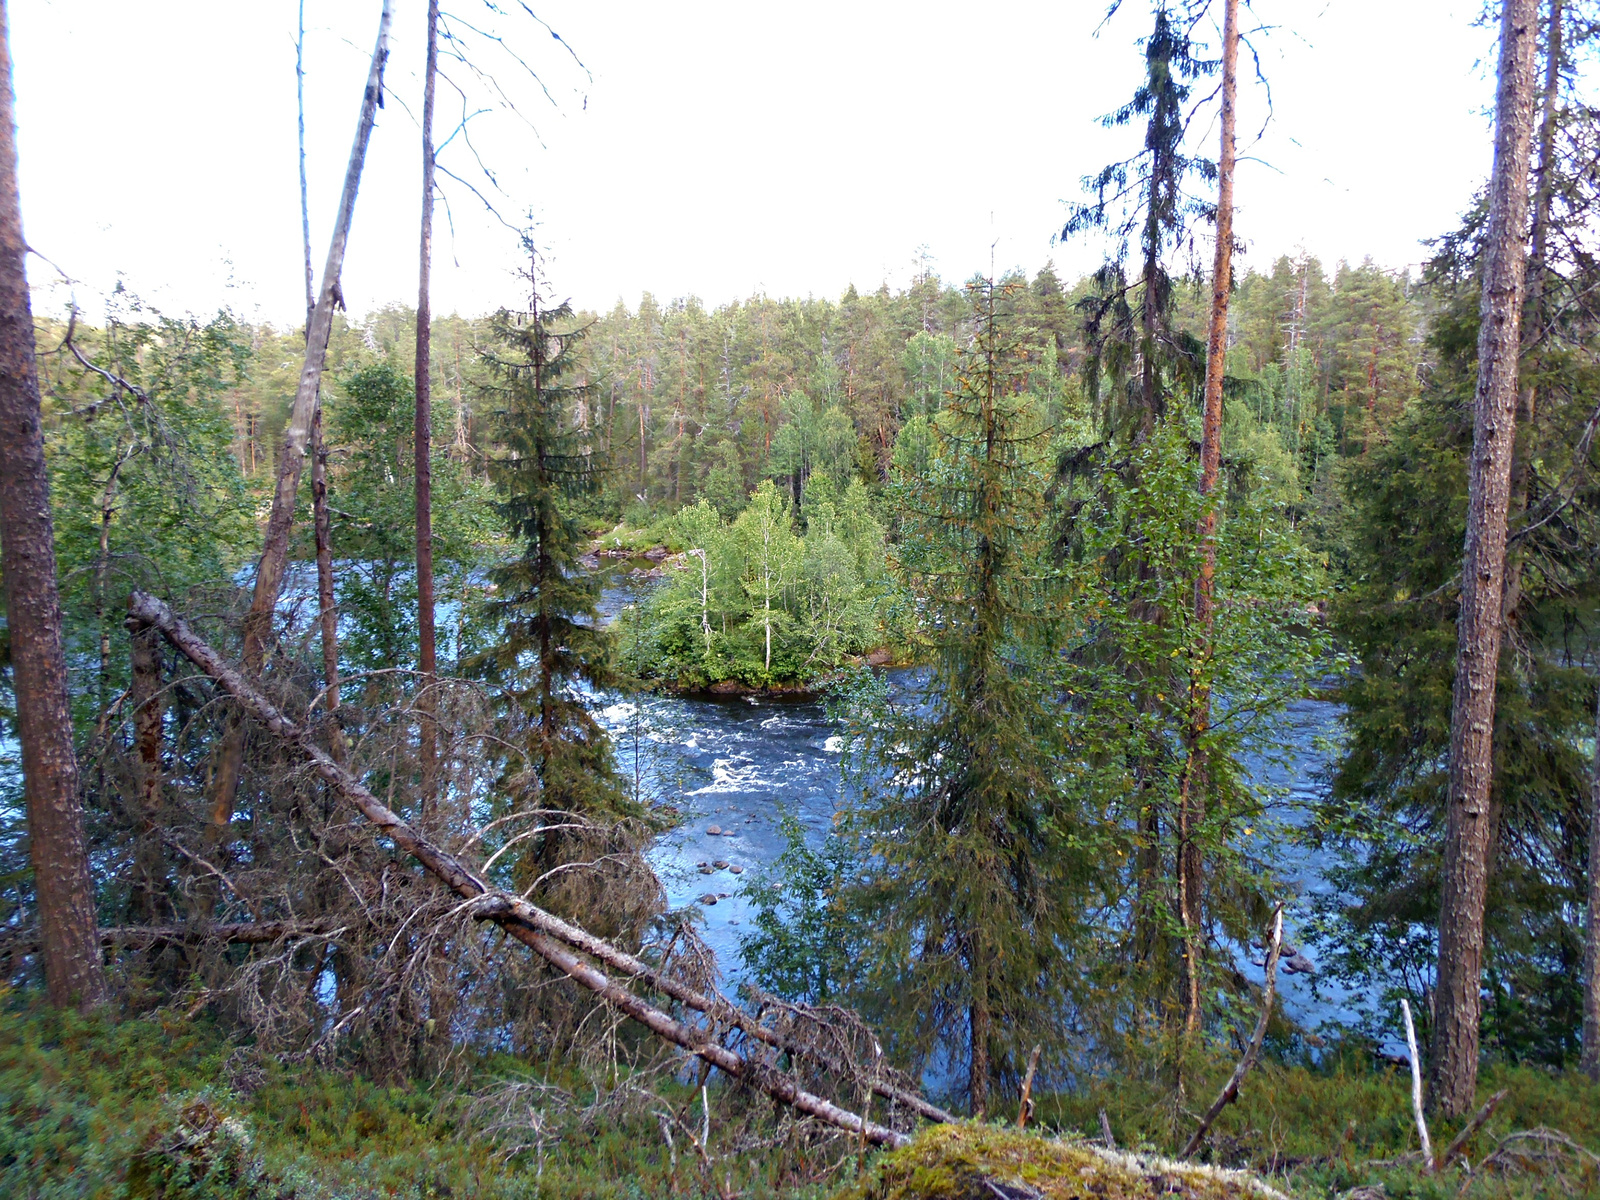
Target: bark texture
(328,607)
(147,892)
(64,891)
(423,433)
(1458,1005)
(551,938)
(1192,791)
(1591,956)
(291,459)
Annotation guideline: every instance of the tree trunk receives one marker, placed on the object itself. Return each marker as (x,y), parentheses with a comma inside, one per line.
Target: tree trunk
(1192,798)
(275,548)
(327,604)
(147,892)
(64,890)
(981,1021)
(1466,866)
(427,701)
(1591,956)
(1533,318)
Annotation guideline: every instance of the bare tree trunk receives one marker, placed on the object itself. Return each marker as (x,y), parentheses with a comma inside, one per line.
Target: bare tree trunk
(1192,798)
(423,439)
(275,548)
(1591,957)
(305,205)
(64,891)
(147,893)
(326,602)
(1467,833)
(1534,315)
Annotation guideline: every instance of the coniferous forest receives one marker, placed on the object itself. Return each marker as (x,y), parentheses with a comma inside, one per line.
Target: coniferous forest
(1145,721)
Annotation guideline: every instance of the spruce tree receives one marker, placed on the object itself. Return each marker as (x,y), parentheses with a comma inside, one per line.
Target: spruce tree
(968,892)
(561,780)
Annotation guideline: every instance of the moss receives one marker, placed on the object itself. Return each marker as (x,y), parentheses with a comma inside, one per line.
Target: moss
(983,1162)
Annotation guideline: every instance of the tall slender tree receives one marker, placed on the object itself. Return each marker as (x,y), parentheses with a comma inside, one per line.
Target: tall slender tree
(422,435)
(62,885)
(1192,787)
(1469,816)
(971,900)
(275,544)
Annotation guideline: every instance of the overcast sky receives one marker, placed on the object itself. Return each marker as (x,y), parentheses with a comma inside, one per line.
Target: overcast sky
(714,149)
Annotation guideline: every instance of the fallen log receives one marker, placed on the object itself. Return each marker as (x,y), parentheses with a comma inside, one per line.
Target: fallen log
(526,922)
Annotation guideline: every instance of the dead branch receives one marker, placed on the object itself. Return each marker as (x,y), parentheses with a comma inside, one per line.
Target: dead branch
(1416,1087)
(526,922)
(1454,1149)
(1025,1109)
(1230,1090)
(238,933)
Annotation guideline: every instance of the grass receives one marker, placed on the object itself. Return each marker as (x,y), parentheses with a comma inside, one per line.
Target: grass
(102,1109)
(1322,1130)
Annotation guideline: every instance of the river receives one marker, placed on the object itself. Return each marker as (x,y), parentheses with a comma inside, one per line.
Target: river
(740,764)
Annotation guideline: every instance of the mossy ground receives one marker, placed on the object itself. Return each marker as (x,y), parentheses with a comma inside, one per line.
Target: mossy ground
(102,1109)
(983,1162)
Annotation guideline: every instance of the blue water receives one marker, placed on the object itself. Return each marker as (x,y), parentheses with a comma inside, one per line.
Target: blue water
(740,764)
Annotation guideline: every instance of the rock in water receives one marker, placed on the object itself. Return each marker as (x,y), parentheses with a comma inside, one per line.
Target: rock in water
(714,831)
(722,864)
(708,898)
(736,870)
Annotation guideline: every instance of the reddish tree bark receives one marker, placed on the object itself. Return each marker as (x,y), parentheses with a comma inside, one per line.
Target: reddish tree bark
(1191,797)
(63,889)
(1458,1005)
(423,433)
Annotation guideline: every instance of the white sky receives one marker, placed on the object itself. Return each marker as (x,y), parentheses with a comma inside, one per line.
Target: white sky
(719,148)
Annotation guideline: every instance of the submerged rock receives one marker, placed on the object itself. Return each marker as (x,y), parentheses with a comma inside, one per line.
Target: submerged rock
(982,1162)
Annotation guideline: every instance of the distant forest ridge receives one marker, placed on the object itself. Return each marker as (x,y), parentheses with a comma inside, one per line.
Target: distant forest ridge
(693,401)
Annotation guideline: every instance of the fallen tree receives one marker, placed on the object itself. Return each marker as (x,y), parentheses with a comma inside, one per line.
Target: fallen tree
(554,940)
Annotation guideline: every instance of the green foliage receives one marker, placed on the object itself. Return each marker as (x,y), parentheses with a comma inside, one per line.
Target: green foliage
(558,783)
(372,498)
(754,601)
(972,877)
(804,942)
(1385,813)
(1126,679)
(145,489)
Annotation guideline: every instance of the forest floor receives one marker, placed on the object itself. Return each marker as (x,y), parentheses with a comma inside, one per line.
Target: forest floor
(166,1107)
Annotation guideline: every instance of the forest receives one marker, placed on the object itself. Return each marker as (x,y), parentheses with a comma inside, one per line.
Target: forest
(1151,718)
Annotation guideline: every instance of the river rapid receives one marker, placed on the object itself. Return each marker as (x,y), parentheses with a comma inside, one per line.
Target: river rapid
(735,766)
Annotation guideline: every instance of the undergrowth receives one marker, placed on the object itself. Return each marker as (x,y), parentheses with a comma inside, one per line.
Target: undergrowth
(164,1107)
